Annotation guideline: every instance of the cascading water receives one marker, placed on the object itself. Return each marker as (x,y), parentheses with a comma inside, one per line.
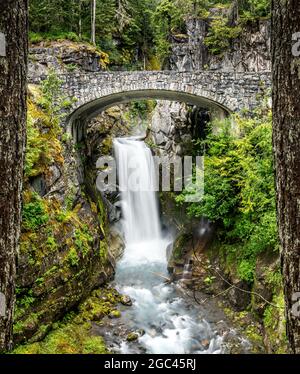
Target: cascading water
(169,324)
(141,223)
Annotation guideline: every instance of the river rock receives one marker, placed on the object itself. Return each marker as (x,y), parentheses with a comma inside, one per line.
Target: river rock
(133,336)
(114,314)
(126,300)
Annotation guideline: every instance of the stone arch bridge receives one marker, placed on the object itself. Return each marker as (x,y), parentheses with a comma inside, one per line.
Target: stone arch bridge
(222,92)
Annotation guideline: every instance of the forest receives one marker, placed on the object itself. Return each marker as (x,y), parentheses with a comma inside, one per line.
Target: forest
(136,34)
(135,272)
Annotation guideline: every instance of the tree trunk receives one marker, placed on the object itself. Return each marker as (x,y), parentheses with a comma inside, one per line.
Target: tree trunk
(93,34)
(13,71)
(286,141)
(80,19)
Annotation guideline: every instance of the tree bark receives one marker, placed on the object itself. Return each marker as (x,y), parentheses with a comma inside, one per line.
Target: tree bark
(80,19)
(286,142)
(93,33)
(13,71)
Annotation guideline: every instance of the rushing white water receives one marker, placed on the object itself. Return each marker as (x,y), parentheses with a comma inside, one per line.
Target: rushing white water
(170,325)
(141,222)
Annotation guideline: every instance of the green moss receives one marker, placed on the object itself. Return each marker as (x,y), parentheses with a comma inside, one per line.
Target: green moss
(66,137)
(29,323)
(73,257)
(250,328)
(274,279)
(254,335)
(69,339)
(94,345)
(274,323)
(54,232)
(51,243)
(83,240)
(132,337)
(73,333)
(103,250)
(34,214)
(115,314)
(43,127)
(180,245)
(106,146)
(64,216)
(51,271)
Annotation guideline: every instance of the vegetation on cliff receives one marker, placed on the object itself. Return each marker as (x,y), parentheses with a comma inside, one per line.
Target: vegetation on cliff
(137,34)
(64,250)
(239,199)
(239,192)
(73,334)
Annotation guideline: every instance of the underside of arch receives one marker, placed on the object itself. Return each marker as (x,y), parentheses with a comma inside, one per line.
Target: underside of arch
(91,109)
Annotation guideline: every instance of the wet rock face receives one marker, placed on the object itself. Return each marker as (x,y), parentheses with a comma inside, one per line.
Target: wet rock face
(98,142)
(170,128)
(174,125)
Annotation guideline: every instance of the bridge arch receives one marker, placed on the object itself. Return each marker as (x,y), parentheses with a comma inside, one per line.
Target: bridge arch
(86,112)
(223,92)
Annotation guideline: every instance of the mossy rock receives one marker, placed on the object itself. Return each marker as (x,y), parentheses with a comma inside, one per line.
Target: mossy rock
(133,336)
(180,246)
(114,314)
(68,339)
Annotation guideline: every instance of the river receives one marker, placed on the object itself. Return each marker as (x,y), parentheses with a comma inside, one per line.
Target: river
(166,322)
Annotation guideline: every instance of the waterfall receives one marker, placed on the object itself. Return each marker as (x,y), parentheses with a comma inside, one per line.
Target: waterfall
(137,180)
(168,323)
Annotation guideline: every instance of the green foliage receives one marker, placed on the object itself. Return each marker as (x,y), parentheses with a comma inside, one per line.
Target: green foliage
(73,333)
(274,279)
(34,214)
(246,269)
(133,32)
(123,28)
(239,194)
(43,126)
(26,301)
(36,149)
(275,324)
(52,100)
(103,249)
(68,339)
(255,9)
(51,243)
(83,240)
(167,18)
(37,37)
(221,35)
(73,257)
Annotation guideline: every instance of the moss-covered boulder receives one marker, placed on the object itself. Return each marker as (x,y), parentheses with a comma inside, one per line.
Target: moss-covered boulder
(74,334)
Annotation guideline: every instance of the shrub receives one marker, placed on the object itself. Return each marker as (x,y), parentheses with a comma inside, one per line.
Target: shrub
(34,214)
(221,35)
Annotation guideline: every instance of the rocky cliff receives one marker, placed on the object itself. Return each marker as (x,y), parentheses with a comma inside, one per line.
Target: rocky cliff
(250,52)
(66,245)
